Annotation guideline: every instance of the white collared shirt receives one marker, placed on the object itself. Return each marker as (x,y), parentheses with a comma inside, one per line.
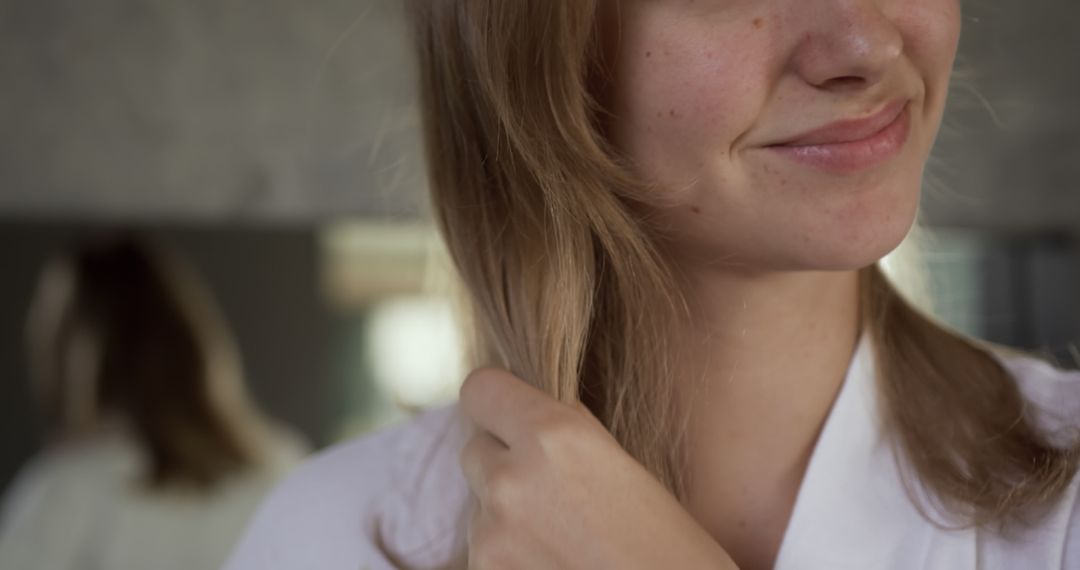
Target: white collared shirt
(401,491)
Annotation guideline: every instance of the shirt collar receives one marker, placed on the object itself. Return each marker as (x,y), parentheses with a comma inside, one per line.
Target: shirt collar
(853,510)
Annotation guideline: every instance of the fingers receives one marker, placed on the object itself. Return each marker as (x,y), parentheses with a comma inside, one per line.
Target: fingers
(483,455)
(501,403)
(587,413)
(483,458)
(489,548)
(520,415)
(482,543)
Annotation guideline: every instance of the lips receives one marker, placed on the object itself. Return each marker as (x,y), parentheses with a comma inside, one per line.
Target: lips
(850,130)
(850,146)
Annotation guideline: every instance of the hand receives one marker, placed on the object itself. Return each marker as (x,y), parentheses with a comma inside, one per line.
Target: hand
(555,490)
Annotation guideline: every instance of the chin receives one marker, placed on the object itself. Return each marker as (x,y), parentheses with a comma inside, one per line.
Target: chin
(851,246)
(848,258)
(865,229)
(828,230)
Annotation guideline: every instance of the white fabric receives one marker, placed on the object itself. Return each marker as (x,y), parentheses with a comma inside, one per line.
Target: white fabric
(79,506)
(400,491)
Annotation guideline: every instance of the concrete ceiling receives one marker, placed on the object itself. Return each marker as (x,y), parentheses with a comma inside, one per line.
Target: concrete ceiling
(299,112)
(206,109)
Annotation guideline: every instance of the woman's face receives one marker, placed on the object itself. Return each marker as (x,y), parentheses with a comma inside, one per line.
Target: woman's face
(781,134)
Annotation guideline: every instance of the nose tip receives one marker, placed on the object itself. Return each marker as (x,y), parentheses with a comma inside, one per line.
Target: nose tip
(848,47)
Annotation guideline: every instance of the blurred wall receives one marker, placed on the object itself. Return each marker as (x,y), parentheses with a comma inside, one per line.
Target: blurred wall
(265,280)
(1008,158)
(207,109)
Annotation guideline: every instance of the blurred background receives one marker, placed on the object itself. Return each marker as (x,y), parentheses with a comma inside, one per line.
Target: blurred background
(274,145)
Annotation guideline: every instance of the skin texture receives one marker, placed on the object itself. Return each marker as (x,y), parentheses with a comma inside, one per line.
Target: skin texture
(767,249)
(701,86)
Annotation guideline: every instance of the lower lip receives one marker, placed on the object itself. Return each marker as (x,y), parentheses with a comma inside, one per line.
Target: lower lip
(854,156)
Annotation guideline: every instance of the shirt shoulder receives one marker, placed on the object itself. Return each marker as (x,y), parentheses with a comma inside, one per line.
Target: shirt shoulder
(380,501)
(1052,395)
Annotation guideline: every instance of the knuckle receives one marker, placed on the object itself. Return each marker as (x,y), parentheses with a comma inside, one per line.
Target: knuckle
(502,491)
(557,432)
(478,384)
(470,453)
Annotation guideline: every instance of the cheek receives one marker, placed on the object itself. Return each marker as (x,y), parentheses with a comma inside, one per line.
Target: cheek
(931,30)
(684,103)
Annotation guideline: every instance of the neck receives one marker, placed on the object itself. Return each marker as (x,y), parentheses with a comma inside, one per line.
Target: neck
(769,353)
(770,331)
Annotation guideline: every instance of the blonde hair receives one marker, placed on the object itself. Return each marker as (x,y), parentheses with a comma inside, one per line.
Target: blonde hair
(568,290)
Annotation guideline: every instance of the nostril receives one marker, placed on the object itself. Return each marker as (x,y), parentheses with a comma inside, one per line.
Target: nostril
(846,82)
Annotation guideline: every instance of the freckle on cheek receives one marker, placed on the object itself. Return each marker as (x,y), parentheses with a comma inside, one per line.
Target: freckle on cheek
(648,54)
(759,23)
(695,209)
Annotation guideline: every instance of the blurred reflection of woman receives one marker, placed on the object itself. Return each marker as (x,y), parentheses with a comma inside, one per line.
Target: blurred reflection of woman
(669,216)
(159,458)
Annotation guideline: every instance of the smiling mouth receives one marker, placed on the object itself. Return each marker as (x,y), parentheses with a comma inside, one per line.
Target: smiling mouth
(851,146)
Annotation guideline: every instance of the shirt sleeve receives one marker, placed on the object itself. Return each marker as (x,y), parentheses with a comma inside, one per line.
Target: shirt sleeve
(383,502)
(324,515)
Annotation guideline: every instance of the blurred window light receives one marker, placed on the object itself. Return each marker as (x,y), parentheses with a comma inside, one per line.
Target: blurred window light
(938,271)
(391,283)
(365,262)
(415,351)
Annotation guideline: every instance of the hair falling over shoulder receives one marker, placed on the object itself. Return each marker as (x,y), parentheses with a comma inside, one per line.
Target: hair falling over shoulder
(569,292)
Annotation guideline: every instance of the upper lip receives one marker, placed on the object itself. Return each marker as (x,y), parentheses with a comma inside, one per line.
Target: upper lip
(850,130)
